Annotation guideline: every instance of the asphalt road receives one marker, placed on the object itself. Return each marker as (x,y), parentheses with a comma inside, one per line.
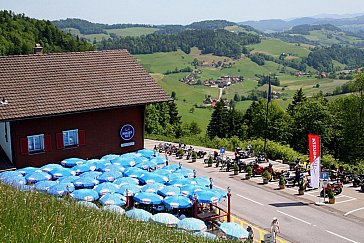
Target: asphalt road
(300,220)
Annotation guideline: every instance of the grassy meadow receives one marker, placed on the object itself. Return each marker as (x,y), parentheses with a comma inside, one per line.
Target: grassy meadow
(276,47)
(135,31)
(37,217)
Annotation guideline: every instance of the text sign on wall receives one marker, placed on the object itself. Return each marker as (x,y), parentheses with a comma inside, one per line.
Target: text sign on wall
(127,132)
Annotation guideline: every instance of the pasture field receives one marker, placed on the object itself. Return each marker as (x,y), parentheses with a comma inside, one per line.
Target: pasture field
(276,47)
(135,31)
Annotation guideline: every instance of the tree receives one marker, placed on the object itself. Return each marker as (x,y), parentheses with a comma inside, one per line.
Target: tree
(218,125)
(194,128)
(298,98)
(173,95)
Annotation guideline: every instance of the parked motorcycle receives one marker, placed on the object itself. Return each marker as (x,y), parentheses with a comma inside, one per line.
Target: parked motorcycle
(336,187)
(358,180)
(261,158)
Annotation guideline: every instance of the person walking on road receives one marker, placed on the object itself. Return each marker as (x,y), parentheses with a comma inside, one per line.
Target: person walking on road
(274,228)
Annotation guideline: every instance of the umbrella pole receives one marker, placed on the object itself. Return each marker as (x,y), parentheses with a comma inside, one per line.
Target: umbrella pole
(228,208)
(195,208)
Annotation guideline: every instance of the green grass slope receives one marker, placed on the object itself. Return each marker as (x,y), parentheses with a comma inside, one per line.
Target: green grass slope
(36,217)
(135,31)
(275,47)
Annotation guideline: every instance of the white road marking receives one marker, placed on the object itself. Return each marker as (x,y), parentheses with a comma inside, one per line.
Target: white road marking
(261,204)
(352,199)
(219,187)
(303,221)
(341,236)
(352,211)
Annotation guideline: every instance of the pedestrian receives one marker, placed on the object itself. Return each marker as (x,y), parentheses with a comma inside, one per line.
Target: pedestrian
(297,176)
(274,228)
(166,159)
(211,183)
(250,238)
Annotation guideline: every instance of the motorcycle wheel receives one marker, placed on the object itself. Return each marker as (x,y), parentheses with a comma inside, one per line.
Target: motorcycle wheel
(338,191)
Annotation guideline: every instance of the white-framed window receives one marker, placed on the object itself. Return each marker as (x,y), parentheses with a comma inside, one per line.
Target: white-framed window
(70,138)
(36,143)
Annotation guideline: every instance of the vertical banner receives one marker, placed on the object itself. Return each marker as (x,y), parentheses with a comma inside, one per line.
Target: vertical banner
(315,155)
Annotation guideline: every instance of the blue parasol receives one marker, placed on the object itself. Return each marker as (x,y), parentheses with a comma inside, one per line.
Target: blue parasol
(234,230)
(124,162)
(10,174)
(189,190)
(114,209)
(169,191)
(201,181)
(85,195)
(162,172)
(49,167)
(85,182)
(179,182)
(112,168)
(171,167)
(139,214)
(148,198)
(28,170)
(113,199)
(165,218)
(146,165)
(207,196)
(87,204)
(38,176)
(185,172)
(126,180)
(109,176)
(134,172)
(147,153)
(61,189)
(177,202)
(91,174)
(60,172)
(71,162)
(68,179)
(206,235)
(192,224)
(99,164)
(15,181)
(175,176)
(105,188)
(159,160)
(140,159)
(221,193)
(153,188)
(130,188)
(109,157)
(153,178)
(44,185)
(87,166)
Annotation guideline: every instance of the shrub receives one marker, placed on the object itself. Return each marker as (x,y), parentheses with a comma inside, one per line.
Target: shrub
(249,170)
(267,175)
(330,193)
(282,181)
(194,155)
(236,167)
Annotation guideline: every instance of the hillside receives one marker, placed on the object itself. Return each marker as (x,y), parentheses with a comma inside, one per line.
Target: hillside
(19,34)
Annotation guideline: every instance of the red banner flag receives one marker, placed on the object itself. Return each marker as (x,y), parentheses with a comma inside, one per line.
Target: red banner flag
(315,154)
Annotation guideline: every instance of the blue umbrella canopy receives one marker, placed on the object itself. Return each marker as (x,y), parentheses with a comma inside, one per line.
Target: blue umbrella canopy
(112,167)
(87,204)
(153,188)
(206,235)
(189,190)
(207,196)
(179,182)
(140,159)
(153,178)
(147,153)
(109,157)
(234,230)
(134,172)
(162,172)
(38,176)
(139,214)
(201,181)
(126,180)
(49,167)
(169,191)
(100,164)
(114,209)
(91,174)
(148,198)
(61,172)
(175,176)
(28,170)
(177,202)
(109,176)
(105,188)
(130,188)
(44,185)
(16,181)
(68,179)
(159,160)
(192,224)
(61,189)
(146,165)
(124,162)
(113,199)
(171,167)
(87,166)
(85,182)
(85,195)
(165,218)
(131,155)
(185,172)
(10,174)
(71,162)
(222,194)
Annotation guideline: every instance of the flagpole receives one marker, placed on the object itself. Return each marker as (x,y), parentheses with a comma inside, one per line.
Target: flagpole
(266,114)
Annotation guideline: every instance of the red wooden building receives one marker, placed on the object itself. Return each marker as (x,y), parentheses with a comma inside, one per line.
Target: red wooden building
(62,105)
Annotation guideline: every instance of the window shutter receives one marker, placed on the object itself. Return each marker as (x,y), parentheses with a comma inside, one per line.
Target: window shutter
(59,140)
(81,137)
(47,143)
(24,146)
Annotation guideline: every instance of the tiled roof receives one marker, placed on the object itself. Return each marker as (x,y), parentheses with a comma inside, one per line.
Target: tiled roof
(50,84)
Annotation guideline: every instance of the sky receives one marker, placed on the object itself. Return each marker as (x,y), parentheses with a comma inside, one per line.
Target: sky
(178,11)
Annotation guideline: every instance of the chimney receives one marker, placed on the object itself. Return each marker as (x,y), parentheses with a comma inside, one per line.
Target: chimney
(38,49)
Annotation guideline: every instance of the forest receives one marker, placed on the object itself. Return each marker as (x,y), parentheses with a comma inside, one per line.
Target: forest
(19,34)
